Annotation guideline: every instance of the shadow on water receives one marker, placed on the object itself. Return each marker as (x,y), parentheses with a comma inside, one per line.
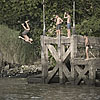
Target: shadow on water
(19,89)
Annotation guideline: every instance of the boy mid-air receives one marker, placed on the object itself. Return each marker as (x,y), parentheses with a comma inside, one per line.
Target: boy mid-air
(25,32)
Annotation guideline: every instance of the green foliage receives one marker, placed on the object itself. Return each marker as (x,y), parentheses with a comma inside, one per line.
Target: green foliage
(15,50)
(14,10)
(89,26)
(11,11)
(88,17)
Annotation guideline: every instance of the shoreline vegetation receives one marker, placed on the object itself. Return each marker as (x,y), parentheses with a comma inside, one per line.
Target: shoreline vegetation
(17,58)
(16,51)
(13,49)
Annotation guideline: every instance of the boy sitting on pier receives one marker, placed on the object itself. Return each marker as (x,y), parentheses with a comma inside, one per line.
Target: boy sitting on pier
(24,33)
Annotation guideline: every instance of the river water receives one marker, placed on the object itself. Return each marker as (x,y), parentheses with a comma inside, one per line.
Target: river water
(19,89)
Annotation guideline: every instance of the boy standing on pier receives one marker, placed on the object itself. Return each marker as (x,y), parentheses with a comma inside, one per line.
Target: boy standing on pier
(86,47)
(58,24)
(66,15)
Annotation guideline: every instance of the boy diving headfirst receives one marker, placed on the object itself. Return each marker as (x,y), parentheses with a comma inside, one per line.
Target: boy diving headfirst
(25,32)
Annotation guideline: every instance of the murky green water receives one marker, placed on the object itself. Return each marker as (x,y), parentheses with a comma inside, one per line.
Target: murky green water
(19,89)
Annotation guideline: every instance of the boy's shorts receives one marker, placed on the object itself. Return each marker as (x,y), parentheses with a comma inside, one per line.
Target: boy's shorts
(58,27)
(68,26)
(25,32)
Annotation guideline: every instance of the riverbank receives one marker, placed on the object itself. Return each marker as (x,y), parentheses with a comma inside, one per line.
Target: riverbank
(20,71)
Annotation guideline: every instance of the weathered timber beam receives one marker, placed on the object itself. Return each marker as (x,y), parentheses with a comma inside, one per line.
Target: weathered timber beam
(73,46)
(54,40)
(82,75)
(79,70)
(53,52)
(66,54)
(92,40)
(61,74)
(80,39)
(44,60)
(66,72)
(92,46)
(53,73)
(79,61)
(95,40)
(50,40)
(65,40)
(95,63)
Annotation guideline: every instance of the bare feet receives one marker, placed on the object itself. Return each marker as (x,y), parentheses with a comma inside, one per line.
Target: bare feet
(31,39)
(22,24)
(27,21)
(30,42)
(87,59)
(21,37)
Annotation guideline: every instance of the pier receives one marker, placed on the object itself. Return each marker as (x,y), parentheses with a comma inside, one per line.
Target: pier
(64,50)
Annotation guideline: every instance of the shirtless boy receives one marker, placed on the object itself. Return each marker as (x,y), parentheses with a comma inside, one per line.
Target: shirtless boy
(66,15)
(24,33)
(58,24)
(86,46)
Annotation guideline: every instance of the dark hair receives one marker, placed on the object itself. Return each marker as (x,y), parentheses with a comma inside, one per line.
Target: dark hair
(67,13)
(86,34)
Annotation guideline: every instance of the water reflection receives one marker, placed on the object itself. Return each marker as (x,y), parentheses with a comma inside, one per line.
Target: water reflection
(19,89)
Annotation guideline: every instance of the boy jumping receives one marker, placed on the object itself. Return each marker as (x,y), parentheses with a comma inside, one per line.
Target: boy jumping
(24,33)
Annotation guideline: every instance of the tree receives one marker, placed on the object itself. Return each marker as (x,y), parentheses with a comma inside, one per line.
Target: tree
(87,18)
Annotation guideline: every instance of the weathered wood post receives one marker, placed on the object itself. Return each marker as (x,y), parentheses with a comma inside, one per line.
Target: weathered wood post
(91,73)
(44,51)
(61,75)
(73,30)
(73,45)
(63,78)
(94,64)
(44,60)
(1,61)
